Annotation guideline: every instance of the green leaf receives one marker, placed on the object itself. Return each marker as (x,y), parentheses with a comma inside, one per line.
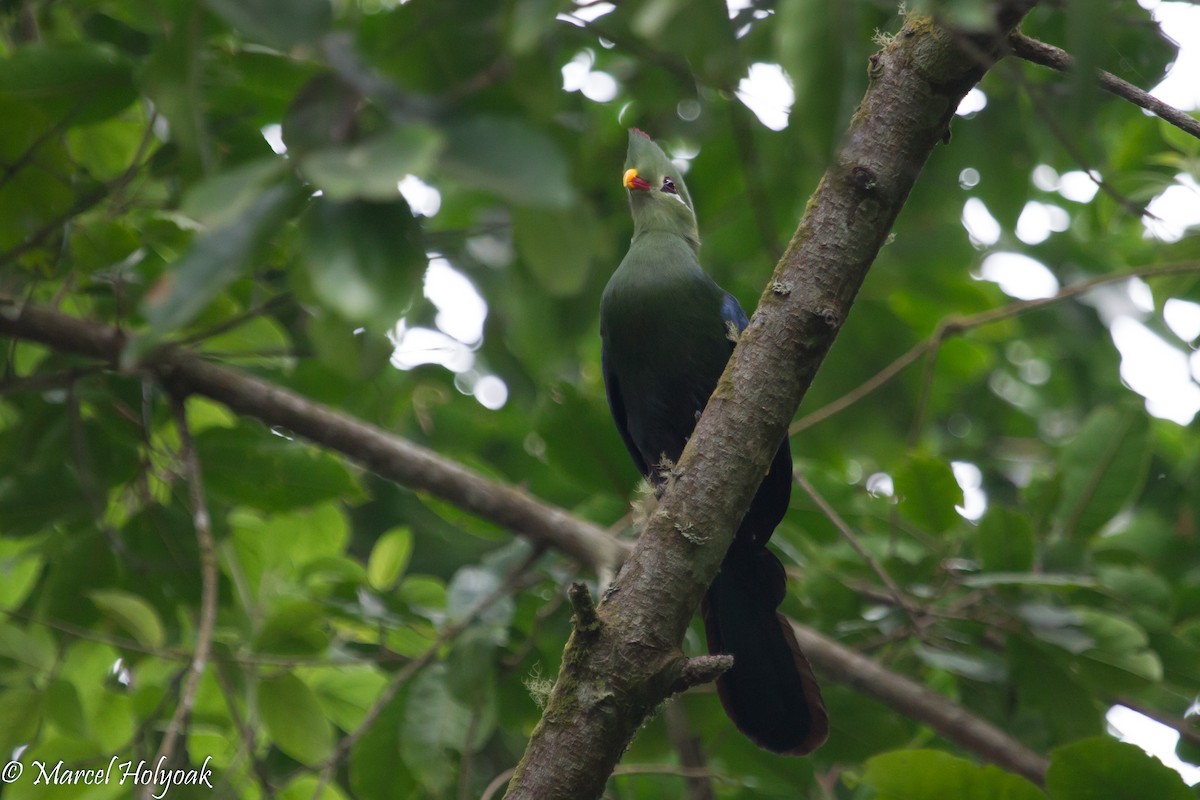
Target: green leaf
(1044,683)
(1005,541)
(20,715)
(346,692)
(434,725)
(373,168)
(294,627)
(216,257)
(423,592)
(933,775)
(471,667)
(364,260)
(172,77)
(108,148)
(470,587)
(928,492)
(976,666)
(1103,468)
(250,466)
(510,159)
(1121,651)
(358,354)
(29,197)
(1028,579)
(294,719)
(389,558)
(375,771)
(556,246)
(264,20)
(65,709)
(304,787)
(84,82)
(260,341)
(20,566)
(1104,769)
(223,198)
(132,613)
(285,543)
(23,647)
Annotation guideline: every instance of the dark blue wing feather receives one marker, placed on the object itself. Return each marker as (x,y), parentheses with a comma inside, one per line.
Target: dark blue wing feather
(731,311)
(616,405)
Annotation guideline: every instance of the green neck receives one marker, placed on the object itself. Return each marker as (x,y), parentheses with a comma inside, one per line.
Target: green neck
(658,215)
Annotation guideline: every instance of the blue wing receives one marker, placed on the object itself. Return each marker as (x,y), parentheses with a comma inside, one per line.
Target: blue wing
(616,404)
(731,311)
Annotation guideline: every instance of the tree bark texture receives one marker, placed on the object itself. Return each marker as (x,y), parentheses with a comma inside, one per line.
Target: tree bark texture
(625,659)
(628,661)
(539,522)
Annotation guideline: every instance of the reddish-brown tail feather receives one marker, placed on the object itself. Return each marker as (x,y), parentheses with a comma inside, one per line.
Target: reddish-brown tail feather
(770,693)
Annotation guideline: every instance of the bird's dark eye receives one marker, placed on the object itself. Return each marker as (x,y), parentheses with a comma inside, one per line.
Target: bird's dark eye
(669,186)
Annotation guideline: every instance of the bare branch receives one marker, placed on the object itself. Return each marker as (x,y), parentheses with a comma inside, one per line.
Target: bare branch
(609,684)
(838,663)
(386,454)
(1047,55)
(691,754)
(208,591)
(898,597)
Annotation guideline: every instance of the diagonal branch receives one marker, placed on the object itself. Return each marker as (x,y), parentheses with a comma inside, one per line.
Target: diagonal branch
(613,678)
(840,663)
(385,454)
(1047,55)
(208,594)
(588,543)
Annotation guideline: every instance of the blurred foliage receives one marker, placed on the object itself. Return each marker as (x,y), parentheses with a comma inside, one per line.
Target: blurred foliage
(137,187)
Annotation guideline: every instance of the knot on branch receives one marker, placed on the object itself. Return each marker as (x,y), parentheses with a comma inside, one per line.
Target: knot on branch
(699,670)
(830,317)
(863,178)
(585,619)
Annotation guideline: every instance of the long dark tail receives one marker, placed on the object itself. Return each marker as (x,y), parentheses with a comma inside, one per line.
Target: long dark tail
(770,692)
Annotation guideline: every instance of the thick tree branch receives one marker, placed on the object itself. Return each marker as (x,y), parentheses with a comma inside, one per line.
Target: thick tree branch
(383,453)
(1047,55)
(611,681)
(588,543)
(917,702)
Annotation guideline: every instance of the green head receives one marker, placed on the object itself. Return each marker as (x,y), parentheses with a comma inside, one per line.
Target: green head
(657,194)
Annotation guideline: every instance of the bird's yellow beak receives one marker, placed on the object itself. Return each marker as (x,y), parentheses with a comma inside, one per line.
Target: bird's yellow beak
(632,181)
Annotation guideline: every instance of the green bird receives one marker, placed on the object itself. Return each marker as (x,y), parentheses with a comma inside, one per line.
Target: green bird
(667,331)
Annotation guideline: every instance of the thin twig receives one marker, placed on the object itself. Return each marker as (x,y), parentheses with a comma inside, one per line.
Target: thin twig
(26,156)
(409,670)
(1047,117)
(627,769)
(952,326)
(245,730)
(927,375)
(747,150)
(1189,731)
(208,589)
(1047,55)
(691,753)
(840,664)
(850,536)
(497,783)
(225,326)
